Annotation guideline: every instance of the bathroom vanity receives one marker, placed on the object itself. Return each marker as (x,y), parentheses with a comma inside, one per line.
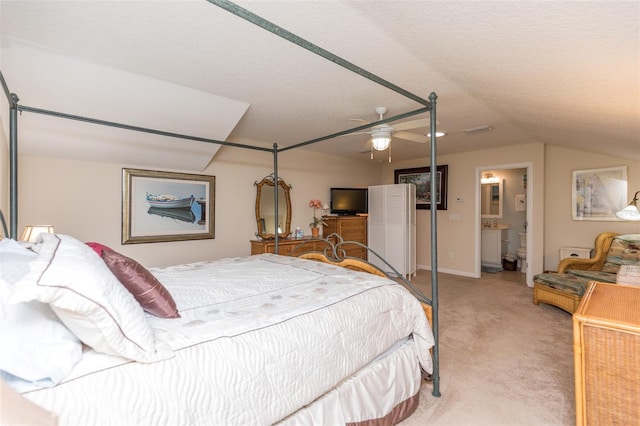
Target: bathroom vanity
(494,245)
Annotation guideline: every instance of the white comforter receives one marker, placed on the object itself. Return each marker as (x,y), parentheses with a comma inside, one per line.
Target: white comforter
(259,338)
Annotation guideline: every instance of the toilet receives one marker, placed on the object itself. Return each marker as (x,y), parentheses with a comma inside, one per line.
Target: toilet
(521,253)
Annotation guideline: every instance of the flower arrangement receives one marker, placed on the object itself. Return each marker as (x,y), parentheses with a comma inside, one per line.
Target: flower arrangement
(317,221)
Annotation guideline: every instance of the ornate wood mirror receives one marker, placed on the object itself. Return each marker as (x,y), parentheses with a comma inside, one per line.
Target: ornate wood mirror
(268,225)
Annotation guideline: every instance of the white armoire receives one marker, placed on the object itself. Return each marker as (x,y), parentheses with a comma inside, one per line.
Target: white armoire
(392,227)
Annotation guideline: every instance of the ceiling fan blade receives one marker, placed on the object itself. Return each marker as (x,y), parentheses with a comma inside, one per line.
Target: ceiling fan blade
(359,120)
(413,124)
(356,133)
(359,133)
(413,137)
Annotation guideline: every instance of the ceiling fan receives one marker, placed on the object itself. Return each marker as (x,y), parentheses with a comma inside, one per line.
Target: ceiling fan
(381,135)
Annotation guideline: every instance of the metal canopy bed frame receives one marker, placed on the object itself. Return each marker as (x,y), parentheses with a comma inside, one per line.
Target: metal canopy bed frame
(427,106)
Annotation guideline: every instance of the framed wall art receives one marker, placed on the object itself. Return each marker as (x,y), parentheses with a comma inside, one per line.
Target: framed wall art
(421,178)
(165,206)
(597,194)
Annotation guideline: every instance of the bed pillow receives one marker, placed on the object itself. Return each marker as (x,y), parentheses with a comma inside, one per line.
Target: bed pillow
(14,258)
(147,290)
(98,248)
(89,300)
(38,349)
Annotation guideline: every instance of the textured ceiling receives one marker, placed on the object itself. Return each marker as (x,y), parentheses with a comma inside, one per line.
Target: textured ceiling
(563,73)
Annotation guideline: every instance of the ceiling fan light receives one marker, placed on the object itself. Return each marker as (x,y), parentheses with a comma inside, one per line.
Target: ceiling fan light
(380,140)
(380,143)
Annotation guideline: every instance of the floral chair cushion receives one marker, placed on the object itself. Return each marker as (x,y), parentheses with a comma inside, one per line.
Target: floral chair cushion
(605,277)
(567,283)
(625,250)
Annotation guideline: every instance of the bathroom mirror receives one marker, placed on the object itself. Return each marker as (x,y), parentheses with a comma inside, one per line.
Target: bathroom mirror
(491,200)
(267,223)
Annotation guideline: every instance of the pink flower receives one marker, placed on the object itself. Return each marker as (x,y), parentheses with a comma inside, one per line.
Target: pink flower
(317,221)
(316,204)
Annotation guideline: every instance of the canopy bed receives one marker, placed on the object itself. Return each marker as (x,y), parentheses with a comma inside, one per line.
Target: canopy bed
(232,349)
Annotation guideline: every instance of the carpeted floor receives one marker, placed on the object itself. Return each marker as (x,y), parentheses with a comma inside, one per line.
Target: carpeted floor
(503,360)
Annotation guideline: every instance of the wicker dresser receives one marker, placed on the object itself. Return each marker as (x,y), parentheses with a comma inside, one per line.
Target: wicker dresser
(606,339)
(350,228)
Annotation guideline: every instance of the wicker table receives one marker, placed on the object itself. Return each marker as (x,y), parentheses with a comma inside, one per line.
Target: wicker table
(606,339)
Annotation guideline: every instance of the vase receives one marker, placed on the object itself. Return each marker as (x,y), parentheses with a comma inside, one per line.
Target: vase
(315,231)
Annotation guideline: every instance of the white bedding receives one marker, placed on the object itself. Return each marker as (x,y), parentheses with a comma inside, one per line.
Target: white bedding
(259,338)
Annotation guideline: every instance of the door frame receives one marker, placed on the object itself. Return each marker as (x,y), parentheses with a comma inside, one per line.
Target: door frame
(531,226)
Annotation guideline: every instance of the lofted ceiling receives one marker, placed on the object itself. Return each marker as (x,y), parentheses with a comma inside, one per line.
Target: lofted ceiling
(563,73)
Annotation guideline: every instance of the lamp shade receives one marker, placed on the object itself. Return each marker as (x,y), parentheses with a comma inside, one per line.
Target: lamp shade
(631,211)
(31,232)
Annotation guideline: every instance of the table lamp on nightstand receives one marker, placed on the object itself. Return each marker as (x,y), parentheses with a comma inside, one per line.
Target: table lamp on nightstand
(31,232)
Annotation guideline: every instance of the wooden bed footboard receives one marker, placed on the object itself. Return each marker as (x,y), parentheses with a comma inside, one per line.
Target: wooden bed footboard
(428,312)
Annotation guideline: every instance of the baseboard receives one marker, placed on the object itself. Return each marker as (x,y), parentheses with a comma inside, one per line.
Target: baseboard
(450,271)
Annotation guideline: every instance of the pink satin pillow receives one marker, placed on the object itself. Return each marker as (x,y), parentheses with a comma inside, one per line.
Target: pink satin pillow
(147,290)
(98,248)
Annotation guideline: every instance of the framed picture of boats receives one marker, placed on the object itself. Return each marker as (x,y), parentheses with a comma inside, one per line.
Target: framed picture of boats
(165,206)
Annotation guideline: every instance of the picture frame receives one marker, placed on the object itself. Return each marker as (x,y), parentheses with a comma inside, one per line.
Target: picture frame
(521,203)
(162,206)
(421,177)
(597,194)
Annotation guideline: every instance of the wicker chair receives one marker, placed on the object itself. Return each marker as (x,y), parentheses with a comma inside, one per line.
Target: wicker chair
(565,290)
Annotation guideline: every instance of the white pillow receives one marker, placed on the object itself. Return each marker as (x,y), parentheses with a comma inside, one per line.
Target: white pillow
(37,349)
(14,258)
(89,300)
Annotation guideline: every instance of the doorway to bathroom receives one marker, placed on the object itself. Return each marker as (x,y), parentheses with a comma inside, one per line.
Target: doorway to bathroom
(502,194)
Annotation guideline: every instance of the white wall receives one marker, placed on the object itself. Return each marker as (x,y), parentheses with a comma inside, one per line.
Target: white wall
(560,229)
(552,226)
(4,160)
(84,199)
(4,175)
(4,151)
(459,226)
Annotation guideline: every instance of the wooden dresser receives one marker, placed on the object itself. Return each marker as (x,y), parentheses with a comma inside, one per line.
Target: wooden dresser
(350,228)
(606,345)
(287,245)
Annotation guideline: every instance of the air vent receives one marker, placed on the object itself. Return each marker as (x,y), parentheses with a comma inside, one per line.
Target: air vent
(478,129)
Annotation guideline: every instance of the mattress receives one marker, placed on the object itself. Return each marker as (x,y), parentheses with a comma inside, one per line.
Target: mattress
(261,339)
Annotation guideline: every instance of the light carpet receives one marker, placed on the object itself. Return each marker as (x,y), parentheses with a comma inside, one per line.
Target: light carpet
(503,360)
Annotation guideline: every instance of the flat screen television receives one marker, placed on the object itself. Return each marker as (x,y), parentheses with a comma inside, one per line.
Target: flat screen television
(349,201)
